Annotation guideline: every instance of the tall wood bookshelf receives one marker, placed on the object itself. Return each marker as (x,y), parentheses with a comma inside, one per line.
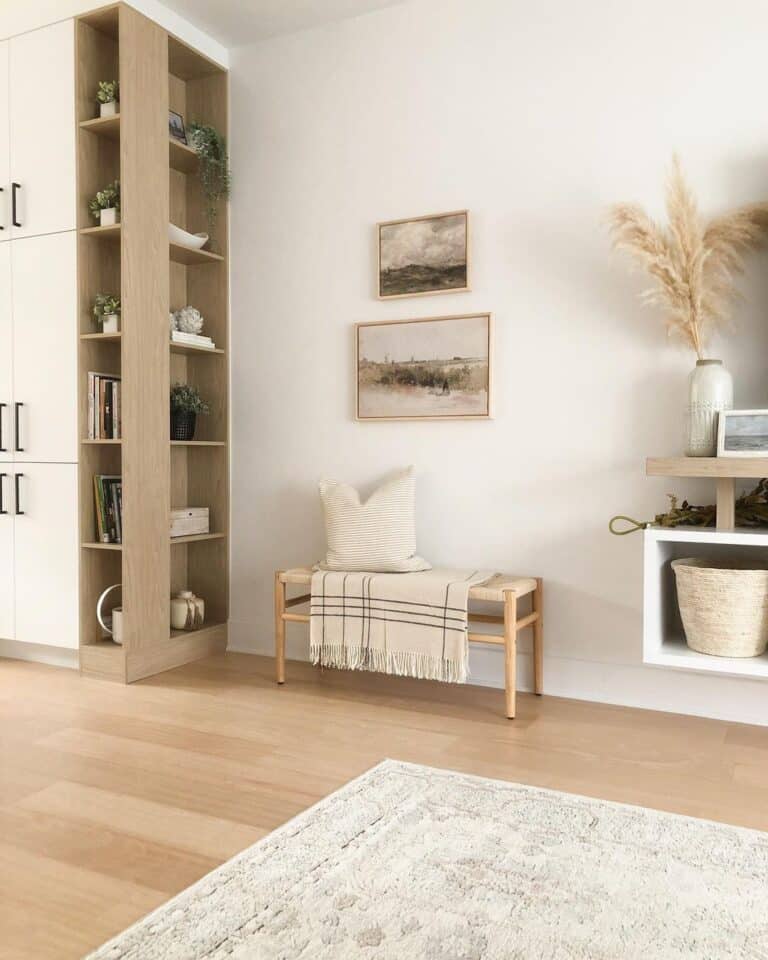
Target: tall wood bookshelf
(159,184)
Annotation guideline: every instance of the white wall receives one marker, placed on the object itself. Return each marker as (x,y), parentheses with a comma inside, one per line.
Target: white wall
(535,117)
(18,16)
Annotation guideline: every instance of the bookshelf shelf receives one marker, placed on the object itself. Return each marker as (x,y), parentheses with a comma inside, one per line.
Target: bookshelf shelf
(187,348)
(197,537)
(191,257)
(102,337)
(159,185)
(181,157)
(104,126)
(198,443)
(111,232)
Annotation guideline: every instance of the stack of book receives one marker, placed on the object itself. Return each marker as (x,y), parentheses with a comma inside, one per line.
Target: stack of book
(192,340)
(104,406)
(108,492)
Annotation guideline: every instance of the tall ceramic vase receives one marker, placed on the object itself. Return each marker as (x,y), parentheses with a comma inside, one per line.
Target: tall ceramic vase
(710,390)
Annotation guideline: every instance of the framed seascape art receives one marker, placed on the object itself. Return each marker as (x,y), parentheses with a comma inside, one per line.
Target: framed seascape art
(435,368)
(424,255)
(742,433)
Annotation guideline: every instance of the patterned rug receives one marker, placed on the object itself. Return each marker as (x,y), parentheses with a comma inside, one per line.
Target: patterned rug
(412,862)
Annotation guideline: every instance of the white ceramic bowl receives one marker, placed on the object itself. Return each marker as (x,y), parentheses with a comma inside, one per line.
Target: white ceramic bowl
(195,241)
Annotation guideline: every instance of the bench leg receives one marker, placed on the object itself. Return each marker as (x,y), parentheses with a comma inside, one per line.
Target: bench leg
(510,651)
(280,591)
(538,638)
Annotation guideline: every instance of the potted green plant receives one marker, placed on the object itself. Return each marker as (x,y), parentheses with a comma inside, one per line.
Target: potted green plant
(213,166)
(105,206)
(108,96)
(106,310)
(186,403)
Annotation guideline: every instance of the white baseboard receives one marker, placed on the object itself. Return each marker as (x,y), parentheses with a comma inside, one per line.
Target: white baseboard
(628,685)
(40,653)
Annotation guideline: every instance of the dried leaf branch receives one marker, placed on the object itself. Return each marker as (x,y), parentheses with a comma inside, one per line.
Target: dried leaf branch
(693,265)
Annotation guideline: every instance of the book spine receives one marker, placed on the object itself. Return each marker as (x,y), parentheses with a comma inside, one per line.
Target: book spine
(117,508)
(100,521)
(116,410)
(90,406)
(120,506)
(108,409)
(110,508)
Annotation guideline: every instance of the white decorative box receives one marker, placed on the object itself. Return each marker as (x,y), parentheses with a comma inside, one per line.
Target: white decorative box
(188,521)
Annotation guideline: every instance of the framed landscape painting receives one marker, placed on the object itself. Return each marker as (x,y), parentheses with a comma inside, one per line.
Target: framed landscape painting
(424,255)
(436,368)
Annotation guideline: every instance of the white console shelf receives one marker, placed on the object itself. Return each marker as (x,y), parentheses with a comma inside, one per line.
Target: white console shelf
(663,638)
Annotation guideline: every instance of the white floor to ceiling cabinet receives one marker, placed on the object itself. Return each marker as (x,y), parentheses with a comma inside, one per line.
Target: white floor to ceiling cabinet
(5,147)
(41,69)
(6,355)
(44,349)
(45,554)
(7,573)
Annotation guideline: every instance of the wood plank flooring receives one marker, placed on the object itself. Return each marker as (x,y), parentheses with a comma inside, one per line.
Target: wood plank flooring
(114,798)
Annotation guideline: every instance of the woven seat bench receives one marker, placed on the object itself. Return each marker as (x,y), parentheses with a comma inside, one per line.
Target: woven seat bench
(501,588)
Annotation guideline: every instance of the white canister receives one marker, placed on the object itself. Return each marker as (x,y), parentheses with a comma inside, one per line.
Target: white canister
(110,323)
(108,217)
(187,611)
(710,390)
(108,109)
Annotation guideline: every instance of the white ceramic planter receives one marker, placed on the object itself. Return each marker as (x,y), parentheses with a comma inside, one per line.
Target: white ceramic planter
(710,390)
(110,323)
(108,217)
(108,109)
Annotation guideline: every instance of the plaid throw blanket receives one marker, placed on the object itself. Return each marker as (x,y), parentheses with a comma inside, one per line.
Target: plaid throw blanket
(410,624)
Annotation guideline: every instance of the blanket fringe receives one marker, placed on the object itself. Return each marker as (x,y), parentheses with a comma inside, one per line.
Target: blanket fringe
(401,664)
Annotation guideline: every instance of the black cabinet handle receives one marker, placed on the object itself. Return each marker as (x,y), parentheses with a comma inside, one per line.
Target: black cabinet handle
(14,188)
(19,511)
(17,445)
(2,508)
(2,407)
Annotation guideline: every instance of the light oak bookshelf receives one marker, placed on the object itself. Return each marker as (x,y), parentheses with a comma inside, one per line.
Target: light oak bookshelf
(159,184)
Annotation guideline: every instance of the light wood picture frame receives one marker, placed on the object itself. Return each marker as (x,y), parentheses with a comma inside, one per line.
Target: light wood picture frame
(430,368)
(422,256)
(742,433)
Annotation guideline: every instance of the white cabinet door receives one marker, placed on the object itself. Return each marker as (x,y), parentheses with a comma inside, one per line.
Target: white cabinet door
(7,619)
(42,129)
(6,355)
(46,554)
(5,186)
(44,284)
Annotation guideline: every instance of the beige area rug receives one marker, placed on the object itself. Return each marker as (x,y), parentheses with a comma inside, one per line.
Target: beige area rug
(412,862)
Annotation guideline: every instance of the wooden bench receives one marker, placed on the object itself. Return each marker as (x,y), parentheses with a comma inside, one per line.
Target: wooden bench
(501,588)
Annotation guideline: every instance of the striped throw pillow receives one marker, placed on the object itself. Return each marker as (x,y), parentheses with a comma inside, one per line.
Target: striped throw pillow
(378,536)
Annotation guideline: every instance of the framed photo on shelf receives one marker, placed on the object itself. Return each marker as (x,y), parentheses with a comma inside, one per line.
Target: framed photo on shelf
(742,433)
(435,368)
(423,255)
(176,126)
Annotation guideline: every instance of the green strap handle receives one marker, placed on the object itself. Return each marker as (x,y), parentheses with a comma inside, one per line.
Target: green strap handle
(634,525)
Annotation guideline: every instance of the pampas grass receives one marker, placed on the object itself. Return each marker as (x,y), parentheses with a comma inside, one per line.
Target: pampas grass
(693,264)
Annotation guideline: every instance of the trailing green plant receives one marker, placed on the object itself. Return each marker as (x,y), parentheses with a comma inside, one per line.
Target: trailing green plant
(105,305)
(108,91)
(186,399)
(215,176)
(104,199)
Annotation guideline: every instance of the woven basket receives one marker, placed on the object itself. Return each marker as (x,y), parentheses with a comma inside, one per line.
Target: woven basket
(724,606)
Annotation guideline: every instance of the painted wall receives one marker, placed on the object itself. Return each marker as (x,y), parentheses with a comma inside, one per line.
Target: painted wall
(18,17)
(535,117)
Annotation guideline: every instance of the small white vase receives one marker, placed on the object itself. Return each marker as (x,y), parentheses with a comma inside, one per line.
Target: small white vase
(187,611)
(110,323)
(108,217)
(710,390)
(108,109)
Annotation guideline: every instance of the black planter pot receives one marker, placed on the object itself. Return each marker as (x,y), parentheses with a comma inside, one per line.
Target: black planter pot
(182,425)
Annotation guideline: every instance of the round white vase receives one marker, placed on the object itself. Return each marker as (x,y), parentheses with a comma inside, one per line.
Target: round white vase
(710,390)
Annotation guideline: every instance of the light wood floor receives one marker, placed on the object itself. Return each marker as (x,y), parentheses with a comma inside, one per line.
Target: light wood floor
(114,798)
